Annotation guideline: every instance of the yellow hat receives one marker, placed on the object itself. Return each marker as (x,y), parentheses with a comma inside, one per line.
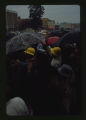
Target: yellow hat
(30,51)
(56,51)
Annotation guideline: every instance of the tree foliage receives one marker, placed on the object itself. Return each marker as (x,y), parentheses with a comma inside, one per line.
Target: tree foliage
(36,12)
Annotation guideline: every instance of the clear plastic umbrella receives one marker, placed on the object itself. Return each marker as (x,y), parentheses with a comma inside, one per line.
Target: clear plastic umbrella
(21,42)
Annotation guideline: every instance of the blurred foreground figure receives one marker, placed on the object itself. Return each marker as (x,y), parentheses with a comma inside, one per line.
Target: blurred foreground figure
(70,45)
(16,107)
(59,86)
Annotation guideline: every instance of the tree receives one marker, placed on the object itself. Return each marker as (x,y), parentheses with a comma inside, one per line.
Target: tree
(36,12)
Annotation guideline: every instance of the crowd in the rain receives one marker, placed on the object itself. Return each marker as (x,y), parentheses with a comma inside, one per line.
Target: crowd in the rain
(43,79)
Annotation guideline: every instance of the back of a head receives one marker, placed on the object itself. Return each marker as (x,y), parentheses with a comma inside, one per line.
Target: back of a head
(30,51)
(56,51)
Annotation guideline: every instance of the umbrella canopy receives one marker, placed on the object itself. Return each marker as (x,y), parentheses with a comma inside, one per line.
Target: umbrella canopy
(51,28)
(70,38)
(21,42)
(52,40)
(40,35)
(10,35)
(58,33)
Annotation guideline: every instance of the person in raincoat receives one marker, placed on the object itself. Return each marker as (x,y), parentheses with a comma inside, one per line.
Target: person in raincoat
(19,76)
(71,56)
(56,54)
(30,59)
(60,91)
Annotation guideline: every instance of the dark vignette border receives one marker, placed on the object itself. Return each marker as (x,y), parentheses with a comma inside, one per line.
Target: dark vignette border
(3,56)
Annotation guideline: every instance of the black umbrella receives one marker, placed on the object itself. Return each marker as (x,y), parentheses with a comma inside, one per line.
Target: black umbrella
(58,33)
(21,42)
(72,37)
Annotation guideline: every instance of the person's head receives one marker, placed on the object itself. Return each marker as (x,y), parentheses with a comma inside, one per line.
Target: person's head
(30,53)
(56,51)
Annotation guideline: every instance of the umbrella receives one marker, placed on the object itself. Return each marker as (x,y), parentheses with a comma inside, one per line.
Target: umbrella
(72,38)
(40,35)
(52,40)
(10,35)
(58,33)
(51,28)
(21,42)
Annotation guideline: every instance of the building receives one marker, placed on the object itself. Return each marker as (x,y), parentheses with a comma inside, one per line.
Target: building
(57,27)
(51,24)
(70,26)
(47,23)
(76,26)
(23,24)
(62,25)
(11,20)
(65,25)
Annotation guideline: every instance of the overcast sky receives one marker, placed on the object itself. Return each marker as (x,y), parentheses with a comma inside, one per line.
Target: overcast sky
(59,13)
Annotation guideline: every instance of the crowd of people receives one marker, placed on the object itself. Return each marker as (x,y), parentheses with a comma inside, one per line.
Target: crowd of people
(44,80)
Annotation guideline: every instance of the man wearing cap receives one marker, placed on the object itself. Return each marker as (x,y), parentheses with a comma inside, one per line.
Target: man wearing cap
(56,54)
(29,58)
(60,90)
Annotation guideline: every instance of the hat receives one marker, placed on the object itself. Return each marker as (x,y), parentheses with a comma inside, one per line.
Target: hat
(30,51)
(56,51)
(65,71)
